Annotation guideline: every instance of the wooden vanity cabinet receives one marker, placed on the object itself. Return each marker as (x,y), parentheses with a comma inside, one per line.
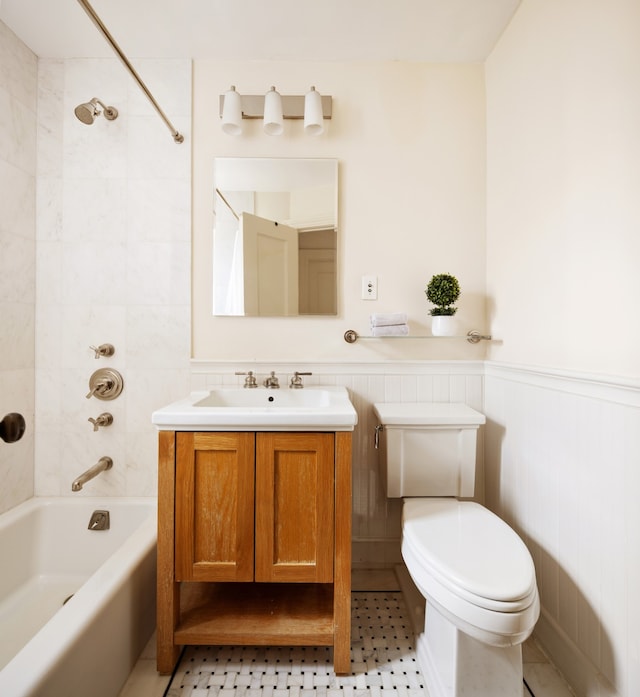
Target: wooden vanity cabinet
(254,541)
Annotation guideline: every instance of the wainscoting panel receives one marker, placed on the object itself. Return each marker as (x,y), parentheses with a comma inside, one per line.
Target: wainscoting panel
(562,460)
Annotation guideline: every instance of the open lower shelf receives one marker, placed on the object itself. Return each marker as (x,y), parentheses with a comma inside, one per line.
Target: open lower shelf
(260,614)
(473,337)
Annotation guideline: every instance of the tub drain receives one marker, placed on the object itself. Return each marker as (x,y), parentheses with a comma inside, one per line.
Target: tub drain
(67,599)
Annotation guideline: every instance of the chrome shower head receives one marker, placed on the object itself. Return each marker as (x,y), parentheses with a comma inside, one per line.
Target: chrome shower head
(88,111)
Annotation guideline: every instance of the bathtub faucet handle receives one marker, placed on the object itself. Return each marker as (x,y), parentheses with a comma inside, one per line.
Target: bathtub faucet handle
(103,350)
(100,387)
(105,383)
(105,419)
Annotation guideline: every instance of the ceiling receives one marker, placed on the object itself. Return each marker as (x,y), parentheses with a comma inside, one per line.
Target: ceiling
(298,30)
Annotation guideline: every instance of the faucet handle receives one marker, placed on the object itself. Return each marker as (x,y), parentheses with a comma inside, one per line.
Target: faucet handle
(103,350)
(296,381)
(105,419)
(250,380)
(105,383)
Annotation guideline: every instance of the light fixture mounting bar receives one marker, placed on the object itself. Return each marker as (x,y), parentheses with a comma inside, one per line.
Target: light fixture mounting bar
(292,106)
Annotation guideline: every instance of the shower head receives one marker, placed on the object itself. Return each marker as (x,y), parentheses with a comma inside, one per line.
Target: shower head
(88,111)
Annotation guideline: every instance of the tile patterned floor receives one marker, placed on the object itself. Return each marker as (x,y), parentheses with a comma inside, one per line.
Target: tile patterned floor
(382,655)
(382,651)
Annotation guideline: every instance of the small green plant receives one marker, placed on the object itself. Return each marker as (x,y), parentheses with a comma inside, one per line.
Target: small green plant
(443,290)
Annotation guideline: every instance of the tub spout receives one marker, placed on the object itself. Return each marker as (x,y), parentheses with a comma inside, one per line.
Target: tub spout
(104,463)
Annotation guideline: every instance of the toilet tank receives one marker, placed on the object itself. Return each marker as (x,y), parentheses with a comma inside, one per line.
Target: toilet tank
(428,448)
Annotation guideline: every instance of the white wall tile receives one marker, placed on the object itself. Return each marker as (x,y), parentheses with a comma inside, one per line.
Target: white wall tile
(113,265)
(18,89)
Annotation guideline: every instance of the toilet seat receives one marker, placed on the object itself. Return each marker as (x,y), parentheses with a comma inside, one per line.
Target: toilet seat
(473,566)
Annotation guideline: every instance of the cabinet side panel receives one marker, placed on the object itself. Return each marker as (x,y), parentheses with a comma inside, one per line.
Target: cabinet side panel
(167,588)
(342,584)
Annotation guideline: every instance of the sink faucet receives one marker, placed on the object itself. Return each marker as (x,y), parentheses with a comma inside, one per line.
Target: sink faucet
(104,463)
(296,381)
(272,381)
(250,381)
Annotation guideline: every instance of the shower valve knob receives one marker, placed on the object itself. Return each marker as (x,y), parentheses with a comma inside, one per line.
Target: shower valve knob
(103,350)
(105,383)
(105,419)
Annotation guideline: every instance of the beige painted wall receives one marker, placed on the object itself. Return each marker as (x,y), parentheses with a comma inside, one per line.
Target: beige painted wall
(410,140)
(563,176)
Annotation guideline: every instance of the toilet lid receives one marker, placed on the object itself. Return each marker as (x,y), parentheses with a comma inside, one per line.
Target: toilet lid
(471,548)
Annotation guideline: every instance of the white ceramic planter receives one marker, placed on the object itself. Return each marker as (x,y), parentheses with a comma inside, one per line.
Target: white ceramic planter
(443,325)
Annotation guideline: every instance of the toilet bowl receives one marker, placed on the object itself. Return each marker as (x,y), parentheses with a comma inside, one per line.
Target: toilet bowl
(473,567)
(475,573)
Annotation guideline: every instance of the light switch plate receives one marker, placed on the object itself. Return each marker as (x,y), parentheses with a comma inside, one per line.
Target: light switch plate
(369,288)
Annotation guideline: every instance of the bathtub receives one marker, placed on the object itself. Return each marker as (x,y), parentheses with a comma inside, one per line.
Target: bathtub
(89,644)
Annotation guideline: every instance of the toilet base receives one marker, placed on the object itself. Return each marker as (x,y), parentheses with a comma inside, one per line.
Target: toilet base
(454,664)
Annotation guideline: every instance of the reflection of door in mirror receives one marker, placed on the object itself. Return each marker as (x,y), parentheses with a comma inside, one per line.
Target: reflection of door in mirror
(253,273)
(270,267)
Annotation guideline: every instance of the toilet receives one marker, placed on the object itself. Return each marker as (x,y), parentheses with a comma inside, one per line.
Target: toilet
(475,573)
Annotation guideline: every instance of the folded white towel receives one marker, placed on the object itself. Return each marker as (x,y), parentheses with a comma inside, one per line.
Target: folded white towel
(391,330)
(388,319)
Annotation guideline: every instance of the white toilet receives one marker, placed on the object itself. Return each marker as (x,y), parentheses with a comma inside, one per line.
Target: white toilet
(474,571)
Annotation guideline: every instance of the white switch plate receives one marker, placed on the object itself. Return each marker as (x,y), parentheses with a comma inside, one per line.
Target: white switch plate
(369,287)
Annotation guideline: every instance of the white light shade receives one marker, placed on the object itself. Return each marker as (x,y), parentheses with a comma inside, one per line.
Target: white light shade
(232,113)
(313,122)
(273,113)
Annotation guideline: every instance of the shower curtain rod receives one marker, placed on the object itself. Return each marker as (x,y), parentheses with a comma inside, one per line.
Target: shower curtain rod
(177,137)
(227,204)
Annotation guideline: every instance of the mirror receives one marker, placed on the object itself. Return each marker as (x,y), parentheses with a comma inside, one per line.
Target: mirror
(275,237)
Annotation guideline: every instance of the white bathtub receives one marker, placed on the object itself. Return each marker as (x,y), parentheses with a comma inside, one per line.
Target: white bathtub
(89,645)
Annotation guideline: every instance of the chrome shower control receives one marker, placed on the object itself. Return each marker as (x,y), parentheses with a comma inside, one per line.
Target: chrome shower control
(103,350)
(105,383)
(105,419)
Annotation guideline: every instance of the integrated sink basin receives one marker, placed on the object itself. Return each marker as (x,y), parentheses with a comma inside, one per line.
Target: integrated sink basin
(260,397)
(238,409)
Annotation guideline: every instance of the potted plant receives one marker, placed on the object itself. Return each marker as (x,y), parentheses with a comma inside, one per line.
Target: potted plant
(442,291)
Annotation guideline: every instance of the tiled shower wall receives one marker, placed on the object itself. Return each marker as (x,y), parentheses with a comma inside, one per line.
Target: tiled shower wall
(113,264)
(18,92)
(562,467)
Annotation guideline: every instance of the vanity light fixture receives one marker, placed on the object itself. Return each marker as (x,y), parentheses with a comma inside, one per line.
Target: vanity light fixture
(232,112)
(313,122)
(273,113)
(273,108)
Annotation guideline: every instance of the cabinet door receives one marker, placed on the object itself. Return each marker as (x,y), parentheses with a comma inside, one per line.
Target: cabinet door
(214,506)
(294,507)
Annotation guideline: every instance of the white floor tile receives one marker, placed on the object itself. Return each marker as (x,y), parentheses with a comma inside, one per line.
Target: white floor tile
(382,655)
(544,680)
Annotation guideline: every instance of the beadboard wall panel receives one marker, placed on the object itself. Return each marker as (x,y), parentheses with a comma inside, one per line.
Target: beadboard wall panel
(562,468)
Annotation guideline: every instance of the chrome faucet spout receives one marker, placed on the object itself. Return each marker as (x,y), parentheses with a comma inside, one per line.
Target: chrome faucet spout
(104,463)
(271,382)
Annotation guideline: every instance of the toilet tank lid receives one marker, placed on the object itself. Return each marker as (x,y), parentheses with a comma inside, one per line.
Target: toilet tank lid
(427,414)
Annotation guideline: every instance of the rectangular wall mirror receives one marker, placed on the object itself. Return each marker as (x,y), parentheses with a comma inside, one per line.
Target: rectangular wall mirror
(275,237)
